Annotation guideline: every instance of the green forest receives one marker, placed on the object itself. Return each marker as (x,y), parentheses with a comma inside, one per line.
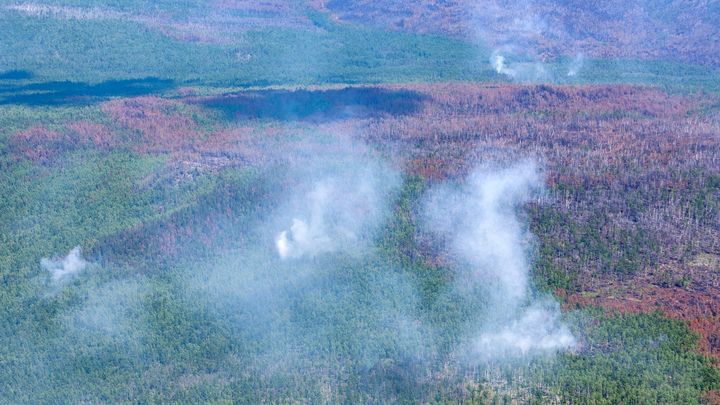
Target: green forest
(319,211)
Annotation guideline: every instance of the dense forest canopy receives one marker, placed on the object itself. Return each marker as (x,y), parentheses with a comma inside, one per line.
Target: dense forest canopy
(229,201)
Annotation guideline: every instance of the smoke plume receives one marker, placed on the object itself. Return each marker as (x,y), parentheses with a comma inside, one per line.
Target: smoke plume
(576,65)
(311,276)
(524,72)
(62,269)
(498,63)
(537,327)
(479,220)
(334,213)
(109,315)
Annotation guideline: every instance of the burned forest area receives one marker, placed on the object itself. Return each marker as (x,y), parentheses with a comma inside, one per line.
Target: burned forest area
(341,202)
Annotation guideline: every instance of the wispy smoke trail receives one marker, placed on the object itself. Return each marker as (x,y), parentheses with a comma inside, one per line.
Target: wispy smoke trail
(64,268)
(109,316)
(480,220)
(576,65)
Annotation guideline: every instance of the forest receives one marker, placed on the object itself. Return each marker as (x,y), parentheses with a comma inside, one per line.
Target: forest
(230,202)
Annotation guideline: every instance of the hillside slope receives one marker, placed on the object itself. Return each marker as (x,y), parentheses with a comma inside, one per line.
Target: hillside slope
(243,202)
(679,30)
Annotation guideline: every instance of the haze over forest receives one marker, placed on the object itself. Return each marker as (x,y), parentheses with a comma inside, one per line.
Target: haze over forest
(346,201)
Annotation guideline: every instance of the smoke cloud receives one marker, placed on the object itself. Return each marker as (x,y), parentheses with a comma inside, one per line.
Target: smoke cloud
(108,315)
(310,275)
(335,212)
(518,33)
(524,72)
(576,65)
(62,269)
(498,63)
(536,328)
(480,222)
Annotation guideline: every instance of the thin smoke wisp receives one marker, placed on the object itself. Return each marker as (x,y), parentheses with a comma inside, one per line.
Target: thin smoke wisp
(576,65)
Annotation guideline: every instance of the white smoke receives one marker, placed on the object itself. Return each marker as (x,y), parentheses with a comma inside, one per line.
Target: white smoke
(108,315)
(484,232)
(61,269)
(304,239)
(536,328)
(313,236)
(524,72)
(576,65)
(498,63)
(530,25)
(335,212)
(517,38)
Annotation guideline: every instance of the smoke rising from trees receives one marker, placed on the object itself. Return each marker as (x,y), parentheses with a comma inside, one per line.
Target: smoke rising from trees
(339,207)
(66,268)
(480,221)
(577,63)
